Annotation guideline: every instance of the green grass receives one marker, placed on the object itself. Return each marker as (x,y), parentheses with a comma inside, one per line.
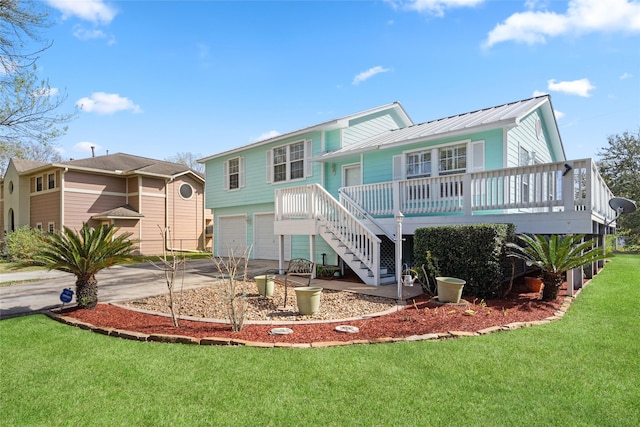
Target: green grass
(583,370)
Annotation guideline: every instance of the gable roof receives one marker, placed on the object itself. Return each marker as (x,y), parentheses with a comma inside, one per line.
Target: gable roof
(118,163)
(506,115)
(122,212)
(342,122)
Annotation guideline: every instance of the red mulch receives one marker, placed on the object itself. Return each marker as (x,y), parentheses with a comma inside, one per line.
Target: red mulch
(421,316)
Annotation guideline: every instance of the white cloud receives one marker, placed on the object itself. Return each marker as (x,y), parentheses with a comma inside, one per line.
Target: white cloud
(539,93)
(365,75)
(626,76)
(581,16)
(52,91)
(580,87)
(85,34)
(433,7)
(85,147)
(268,135)
(559,114)
(107,103)
(96,11)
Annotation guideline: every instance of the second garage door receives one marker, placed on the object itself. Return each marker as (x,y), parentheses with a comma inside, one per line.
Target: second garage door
(266,243)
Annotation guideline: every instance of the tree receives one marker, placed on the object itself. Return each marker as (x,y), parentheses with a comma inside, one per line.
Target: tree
(620,168)
(188,159)
(27,103)
(555,256)
(84,254)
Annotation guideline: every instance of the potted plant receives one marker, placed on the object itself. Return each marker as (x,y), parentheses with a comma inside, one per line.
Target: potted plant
(534,284)
(555,255)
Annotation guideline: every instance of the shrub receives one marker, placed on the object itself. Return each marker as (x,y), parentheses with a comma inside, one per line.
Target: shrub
(475,253)
(22,244)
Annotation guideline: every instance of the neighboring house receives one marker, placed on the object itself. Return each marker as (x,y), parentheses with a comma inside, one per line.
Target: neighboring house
(140,195)
(335,191)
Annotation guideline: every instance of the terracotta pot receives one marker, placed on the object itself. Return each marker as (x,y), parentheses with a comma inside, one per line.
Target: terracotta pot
(533,283)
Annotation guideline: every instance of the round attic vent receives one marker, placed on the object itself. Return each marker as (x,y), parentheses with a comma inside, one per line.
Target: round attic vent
(186,191)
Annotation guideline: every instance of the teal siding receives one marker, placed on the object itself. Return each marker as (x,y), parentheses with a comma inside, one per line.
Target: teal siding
(300,249)
(525,136)
(256,188)
(332,140)
(363,129)
(333,180)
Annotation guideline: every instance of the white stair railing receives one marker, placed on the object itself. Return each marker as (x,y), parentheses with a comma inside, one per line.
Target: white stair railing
(313,201)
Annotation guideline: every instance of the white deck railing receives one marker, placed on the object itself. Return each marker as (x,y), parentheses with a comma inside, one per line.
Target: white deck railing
(528,189)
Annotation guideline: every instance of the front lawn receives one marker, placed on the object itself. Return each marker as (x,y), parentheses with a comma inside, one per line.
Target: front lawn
(582,370)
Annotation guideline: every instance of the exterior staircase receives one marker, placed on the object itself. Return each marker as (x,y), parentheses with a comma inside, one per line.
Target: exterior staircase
(357,245)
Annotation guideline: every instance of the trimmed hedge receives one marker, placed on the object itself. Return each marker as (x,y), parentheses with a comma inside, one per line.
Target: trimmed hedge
(475,253)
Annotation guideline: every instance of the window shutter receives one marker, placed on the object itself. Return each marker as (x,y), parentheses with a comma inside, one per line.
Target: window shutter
(308,151)
(225,175)
(269,166)
(241,171)
(397,168)
(477,150)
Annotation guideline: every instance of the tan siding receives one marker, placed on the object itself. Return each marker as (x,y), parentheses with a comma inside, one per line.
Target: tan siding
(153,185)
(2,228)
(45,208)
(80,207)
(129,226)
(92,182)
(152,225)
(185,217)
(132,196)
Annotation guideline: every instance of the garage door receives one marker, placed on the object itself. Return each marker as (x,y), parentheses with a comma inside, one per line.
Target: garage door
(266,243)
(232,235)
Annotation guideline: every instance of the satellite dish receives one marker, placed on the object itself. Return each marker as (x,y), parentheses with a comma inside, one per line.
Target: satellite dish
(622,205)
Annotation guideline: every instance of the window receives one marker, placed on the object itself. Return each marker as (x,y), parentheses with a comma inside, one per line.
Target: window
(234,173)
(419,164)
(523,160)
(523,157)
(51,181)
(39,226)
(452,159)
(52,227)
(288,162)
(39,183)
(186,191)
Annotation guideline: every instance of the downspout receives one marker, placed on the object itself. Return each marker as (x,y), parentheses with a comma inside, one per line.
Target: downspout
(167,242)
(62,197)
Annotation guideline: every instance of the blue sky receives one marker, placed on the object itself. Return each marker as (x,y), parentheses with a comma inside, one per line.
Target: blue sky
(155,78)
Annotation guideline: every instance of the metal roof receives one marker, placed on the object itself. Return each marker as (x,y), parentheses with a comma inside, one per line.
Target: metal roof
(489,118)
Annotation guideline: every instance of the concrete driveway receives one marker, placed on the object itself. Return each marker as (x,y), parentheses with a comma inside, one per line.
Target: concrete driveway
(119,283)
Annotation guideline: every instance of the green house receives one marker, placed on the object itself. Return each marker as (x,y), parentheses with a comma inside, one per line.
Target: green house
(340,191)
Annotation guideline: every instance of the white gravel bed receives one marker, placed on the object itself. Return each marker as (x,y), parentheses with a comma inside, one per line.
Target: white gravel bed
(209,303)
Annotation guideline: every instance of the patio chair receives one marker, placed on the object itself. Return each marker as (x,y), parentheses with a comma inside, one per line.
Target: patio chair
(299,273)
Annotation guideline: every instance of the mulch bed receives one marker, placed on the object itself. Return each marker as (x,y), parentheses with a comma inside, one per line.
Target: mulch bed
(422,315)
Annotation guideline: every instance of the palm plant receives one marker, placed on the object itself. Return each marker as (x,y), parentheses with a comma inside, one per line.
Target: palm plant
(555,256)
(85,253)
